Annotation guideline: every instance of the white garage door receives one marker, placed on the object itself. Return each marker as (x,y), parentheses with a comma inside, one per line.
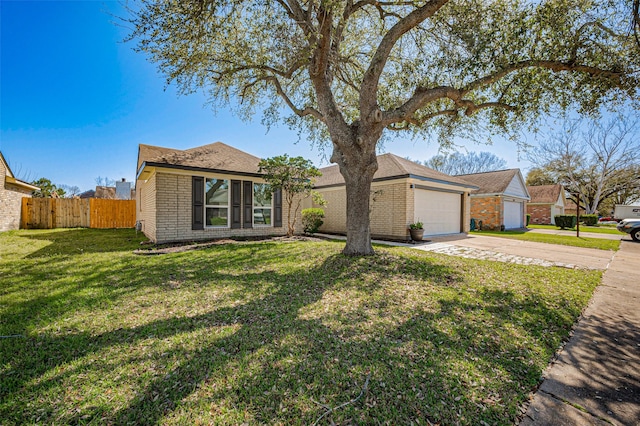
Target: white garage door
(513,215)
(439,211)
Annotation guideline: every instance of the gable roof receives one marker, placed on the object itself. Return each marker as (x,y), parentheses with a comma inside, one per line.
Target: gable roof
(495,182)
(10,178)
(217,156)
(391,166)
(547,194)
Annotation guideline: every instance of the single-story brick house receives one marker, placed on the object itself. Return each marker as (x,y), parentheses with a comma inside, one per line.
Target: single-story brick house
(211,191)
(403,192)
(546,202)
(12,191)
(500,200)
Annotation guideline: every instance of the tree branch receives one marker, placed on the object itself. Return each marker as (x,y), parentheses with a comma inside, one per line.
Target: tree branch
(276,83)
(371,78)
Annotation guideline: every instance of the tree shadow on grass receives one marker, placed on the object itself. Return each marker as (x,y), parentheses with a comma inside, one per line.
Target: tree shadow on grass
(261,323)
(290,340)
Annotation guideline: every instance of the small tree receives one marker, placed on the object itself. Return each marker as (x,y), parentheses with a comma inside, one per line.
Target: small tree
(295,177)
(47,189)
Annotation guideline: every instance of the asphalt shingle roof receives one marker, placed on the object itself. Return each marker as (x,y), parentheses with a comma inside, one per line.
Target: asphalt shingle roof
(490,182)
(390,166)
(545,193)
(215,156)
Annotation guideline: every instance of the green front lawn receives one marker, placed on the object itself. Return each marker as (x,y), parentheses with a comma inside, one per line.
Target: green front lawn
(565,240)
(266,332)
(602,229)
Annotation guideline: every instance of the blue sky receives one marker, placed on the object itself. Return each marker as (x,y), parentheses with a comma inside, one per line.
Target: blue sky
(75,101)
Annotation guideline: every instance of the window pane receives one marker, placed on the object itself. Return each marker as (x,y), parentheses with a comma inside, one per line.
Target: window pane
(262,216)
(217,192)
(261,195)
(216,216)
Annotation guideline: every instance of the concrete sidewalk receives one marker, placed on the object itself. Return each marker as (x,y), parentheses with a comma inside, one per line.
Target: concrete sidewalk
(596,378)
(587,234)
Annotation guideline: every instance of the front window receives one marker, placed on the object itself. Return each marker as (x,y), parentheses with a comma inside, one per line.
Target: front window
(261,204)
(217,202)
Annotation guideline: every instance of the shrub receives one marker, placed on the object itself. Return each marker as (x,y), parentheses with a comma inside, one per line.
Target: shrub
(528,219)
(589,219)
(312,220)
(565,220)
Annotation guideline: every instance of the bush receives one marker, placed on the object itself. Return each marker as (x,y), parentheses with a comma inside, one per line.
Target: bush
(565,220)
(589,219)
(528,219)
(312,220)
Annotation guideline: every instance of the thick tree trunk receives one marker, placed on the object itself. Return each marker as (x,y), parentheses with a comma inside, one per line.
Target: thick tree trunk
(357,166)
(358,227)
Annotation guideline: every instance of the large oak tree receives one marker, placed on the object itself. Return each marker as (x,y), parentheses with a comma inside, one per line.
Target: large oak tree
(352,70)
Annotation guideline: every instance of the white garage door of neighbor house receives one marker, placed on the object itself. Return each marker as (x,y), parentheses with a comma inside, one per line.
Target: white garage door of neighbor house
(439,211)
(513,215)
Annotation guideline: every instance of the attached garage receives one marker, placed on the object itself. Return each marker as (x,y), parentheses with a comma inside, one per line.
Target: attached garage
(402,192)
(513,214)
(440,211)
(500,200)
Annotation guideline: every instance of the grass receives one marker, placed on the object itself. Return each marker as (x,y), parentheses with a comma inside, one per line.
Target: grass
(601,229)
(565,240)
(270,333)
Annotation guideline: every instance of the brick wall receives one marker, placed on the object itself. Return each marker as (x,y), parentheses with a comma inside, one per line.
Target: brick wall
(173,213)
(488,210)
(389,214)
(540,213)
(10,202)
(389,210)
(146,206)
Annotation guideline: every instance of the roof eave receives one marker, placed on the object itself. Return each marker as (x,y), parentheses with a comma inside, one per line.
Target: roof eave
(18,182)
(146,164)
(407,176)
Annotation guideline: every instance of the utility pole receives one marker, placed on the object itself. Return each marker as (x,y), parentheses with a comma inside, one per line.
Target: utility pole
(577,214)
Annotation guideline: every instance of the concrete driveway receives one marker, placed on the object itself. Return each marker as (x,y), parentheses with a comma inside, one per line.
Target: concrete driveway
(555,254)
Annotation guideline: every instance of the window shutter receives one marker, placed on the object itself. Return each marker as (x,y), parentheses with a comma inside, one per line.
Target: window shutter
(236,204)
(197,202)
(277,208)
(247,204)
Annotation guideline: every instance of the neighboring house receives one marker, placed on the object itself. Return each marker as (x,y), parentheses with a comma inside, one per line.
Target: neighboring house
(105,192)
(546,202)
(122,191)
(499,202)
(211,191)
(402,192)
(12,191)
(88,194)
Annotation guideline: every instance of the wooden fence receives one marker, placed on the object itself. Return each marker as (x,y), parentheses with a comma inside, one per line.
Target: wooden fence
(47,213)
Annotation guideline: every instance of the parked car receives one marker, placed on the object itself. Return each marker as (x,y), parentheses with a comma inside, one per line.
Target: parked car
(631,227)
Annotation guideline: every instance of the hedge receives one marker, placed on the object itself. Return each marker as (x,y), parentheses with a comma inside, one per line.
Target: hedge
(589,219)
(565,220)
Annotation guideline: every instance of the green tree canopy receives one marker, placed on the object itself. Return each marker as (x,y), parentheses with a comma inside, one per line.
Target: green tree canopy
(540,176)
(295,177)
(47,189)
(350,71)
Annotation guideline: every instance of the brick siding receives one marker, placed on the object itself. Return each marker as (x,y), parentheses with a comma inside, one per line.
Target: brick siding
(167,212)
(488,210)
(10,202)
(540,214)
